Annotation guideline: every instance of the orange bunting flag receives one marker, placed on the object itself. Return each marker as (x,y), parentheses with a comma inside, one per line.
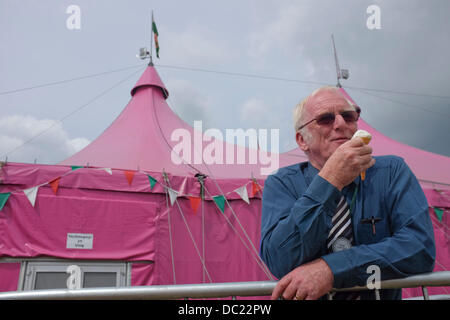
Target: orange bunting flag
(55,184)
(130,176)
(255,188)
(195,202)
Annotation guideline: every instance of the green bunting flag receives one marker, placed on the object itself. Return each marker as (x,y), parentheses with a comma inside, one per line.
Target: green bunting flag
(76,167)
(3,198)
(439,213)
(152,181)
(155,34)
(220,201)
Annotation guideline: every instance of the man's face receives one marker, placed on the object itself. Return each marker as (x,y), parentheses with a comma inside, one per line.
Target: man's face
(325,139)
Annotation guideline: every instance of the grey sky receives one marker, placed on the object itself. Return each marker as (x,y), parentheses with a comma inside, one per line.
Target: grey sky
(279,39)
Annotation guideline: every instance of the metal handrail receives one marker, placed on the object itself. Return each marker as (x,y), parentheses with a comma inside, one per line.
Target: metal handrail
(211,290)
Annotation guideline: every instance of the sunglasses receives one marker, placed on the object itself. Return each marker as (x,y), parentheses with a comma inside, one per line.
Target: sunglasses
(328,118)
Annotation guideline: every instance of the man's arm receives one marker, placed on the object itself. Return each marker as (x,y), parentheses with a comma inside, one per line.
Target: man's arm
(307,282)
(294,230)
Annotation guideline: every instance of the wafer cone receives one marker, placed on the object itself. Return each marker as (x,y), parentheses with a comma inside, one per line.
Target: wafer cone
(366,137)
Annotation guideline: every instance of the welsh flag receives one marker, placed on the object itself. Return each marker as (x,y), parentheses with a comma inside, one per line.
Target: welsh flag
(155,34)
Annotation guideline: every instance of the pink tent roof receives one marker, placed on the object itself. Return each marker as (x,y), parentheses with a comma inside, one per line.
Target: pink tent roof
(140,138)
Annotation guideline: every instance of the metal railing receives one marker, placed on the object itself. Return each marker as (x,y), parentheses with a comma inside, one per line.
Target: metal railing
(212,290)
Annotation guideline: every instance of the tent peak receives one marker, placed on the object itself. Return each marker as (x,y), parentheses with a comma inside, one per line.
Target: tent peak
(150,78)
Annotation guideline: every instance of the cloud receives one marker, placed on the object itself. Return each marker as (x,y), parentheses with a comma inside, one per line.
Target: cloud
(195,45)
(258,114)
(27,139)
(76,144)
(278,34)
(188,102)
(255,113)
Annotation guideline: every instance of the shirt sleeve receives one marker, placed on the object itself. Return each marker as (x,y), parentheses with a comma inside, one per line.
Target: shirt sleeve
(293,230)
(408,250)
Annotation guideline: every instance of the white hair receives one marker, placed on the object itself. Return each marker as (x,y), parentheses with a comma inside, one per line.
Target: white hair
(299,110)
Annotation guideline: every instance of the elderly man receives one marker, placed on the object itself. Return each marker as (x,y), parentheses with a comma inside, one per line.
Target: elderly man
(324,227)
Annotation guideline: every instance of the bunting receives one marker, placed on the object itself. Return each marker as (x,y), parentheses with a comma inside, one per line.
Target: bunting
(439,213)
(172,195)
(31,194)
(55,184)
(130,175)
(220,201)
(255,188)
(3,198)
(195,202)
(242,192)
(152,181)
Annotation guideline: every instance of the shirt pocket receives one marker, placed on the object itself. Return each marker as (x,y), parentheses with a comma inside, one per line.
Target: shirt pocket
(366,233)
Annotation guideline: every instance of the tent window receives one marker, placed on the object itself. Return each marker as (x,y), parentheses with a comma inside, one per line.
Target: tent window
(50,280)
(55,275)
(99,279)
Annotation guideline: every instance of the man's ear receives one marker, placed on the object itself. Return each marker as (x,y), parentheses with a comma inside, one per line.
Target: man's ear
(301,141)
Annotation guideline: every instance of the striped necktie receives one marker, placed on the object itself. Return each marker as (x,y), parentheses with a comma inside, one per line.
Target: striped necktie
(341,224)
(341,228)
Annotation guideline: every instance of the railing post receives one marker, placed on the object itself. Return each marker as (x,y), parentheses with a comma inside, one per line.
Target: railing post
(425,293)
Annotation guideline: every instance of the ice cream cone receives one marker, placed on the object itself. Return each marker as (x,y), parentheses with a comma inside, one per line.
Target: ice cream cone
(366,137)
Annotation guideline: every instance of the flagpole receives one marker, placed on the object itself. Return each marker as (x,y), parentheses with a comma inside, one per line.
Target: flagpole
(151,41)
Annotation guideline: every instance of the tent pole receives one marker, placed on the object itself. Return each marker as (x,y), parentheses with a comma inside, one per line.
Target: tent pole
(151,42)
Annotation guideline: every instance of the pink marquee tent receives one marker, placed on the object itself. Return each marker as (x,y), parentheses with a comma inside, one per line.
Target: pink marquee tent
(141,199)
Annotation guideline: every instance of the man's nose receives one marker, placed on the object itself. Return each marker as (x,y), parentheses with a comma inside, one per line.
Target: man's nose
(339,121)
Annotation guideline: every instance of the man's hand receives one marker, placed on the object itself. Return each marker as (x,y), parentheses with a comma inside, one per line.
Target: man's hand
(347,162)
(307,282)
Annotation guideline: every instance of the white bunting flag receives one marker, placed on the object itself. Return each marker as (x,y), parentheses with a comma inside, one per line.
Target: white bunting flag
(31,194)
(108,170)
(172,195)
(242,192)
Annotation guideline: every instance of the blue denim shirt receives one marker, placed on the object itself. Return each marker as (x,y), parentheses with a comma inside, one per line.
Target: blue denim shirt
(298,206)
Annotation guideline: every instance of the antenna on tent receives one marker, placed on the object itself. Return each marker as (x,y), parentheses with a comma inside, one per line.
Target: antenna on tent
(144,54)
(340,73)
